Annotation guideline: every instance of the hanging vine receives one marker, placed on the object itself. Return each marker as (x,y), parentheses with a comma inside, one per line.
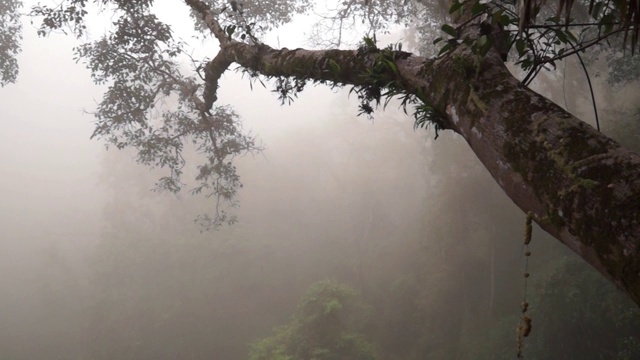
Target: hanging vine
(524,326)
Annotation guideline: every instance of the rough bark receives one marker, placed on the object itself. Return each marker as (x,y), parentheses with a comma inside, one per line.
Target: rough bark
(581,186)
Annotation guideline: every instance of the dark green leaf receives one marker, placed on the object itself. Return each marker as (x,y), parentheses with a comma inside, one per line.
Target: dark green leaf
(503,20)
(392,66)
(561,35)
(455,7)
(520,46)
(449,30)
(445,49)
(553,20)
(607,21)
(477,8)
(595,13)
(230,30)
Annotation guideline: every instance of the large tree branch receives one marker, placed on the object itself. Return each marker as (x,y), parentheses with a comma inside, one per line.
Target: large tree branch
(581,186)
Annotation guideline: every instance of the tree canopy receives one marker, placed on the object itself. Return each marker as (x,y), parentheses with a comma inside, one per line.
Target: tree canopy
(321,328)
(577,184)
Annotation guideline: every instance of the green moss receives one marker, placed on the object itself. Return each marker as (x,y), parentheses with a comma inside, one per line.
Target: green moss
(585,183)
(466,65)
(473,98)
(459,64)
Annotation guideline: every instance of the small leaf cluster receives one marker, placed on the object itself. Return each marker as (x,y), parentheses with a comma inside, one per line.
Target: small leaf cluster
(234,22)
(534,46)
(480,41)
(10,36)
(70,15)
(288,88)
(383,84)
(268,13)
(381,76)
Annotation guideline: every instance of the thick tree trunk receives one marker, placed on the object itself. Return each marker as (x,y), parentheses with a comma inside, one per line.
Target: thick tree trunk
(580,186)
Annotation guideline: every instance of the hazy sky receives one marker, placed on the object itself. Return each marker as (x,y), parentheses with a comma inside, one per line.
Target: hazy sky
(50,167)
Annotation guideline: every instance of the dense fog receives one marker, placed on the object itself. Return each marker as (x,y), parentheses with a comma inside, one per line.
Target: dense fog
(95,265)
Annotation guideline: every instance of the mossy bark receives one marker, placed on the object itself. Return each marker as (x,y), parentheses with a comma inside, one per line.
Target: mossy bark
(582,187)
